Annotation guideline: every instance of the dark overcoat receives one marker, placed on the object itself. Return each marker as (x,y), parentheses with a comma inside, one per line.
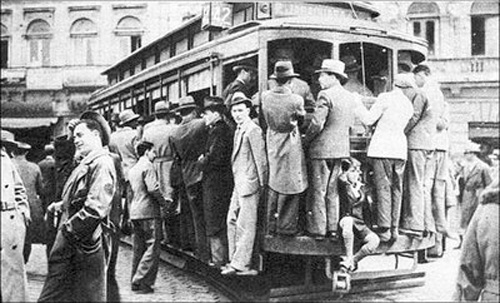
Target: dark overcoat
(217,176)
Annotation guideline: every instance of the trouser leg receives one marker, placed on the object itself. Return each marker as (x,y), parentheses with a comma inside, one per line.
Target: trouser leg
(195,198)
(232,216)
(90,278)
(138,246)
(288,214)
(316,216)
(346,224)
(246,228)
(332,195)
(147,268)
(272,212)
(113,293)
(371,243)
(382,171)
(397,191)
(430,170)
(414,206)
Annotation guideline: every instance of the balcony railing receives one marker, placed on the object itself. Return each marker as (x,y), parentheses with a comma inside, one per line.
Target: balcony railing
(465,69)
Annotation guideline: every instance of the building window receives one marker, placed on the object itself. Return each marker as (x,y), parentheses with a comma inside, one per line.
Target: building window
(4,47)
(484,28)
(39,36)
(424,17)
(129,31)
(83,34)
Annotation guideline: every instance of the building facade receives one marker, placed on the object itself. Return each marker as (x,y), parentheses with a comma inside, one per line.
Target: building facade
(463,38)
(53,53)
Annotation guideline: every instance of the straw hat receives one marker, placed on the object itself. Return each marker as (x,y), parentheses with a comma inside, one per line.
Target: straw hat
(8,137)
(127,116)
(333,66)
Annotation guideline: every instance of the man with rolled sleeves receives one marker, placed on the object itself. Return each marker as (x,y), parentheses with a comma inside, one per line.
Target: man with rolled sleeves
(159,133)
(188,144)
(217,177)
(417,218)
(283,111)
(328,139)
(15,219)
(388,151)
(77,262)
(250,171)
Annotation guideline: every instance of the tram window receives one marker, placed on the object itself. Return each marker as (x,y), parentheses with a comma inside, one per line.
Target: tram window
(305,54)
(367,66)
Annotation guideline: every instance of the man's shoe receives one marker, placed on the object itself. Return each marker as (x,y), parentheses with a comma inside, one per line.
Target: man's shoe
(228,271)
(143,289)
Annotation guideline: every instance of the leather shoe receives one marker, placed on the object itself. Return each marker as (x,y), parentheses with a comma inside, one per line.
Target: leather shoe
(229,271)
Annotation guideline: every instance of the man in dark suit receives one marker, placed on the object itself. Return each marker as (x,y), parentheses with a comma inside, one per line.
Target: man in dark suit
(188,144)
(282,111)
(217,177)
(328,140)
(245,80)
(249,164)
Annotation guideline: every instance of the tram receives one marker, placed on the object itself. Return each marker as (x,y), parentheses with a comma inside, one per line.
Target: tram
(197,59)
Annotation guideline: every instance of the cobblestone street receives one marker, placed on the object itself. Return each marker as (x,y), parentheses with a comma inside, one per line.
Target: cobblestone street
(172,284)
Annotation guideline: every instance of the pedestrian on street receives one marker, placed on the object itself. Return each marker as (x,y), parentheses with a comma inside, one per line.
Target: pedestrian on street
(48,170)
(217,179)
(352,222)
(146,210)
(328,143)
(159,132)
(15,220)
(387,151)
(283,111)
(417,219)
(77,262)
(478,270)
(188,143)
(250,171)
(32,179)
(476,175)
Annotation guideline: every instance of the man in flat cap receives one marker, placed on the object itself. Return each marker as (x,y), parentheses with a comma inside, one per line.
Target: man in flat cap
(15,219)
(159,132)
(388,150)
(245,80)
(217,177)
(77,262)
(283,111)
(32,178)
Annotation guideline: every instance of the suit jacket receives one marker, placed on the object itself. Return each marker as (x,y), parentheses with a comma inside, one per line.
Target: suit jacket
(235,86)
(188,144)
(123,142)
(391,112)
(421,129)
(328,132)
(299,87)
(287,164)
(249,159)
(147,200)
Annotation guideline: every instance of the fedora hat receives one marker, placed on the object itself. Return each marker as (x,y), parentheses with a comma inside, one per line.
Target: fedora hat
(212,101)
(283,69)
(162,107)
(239,97)
(351,64)
(472,147)
(404,81)
(105,129)
(8,137)
(247,65)
(186,102)
(127,116)
(333,66)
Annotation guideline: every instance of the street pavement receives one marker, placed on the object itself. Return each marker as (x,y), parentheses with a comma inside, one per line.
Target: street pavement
(172,284)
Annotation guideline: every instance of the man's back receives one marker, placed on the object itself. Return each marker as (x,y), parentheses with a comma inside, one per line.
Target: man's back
(421,130)
(122,142)
(159,133)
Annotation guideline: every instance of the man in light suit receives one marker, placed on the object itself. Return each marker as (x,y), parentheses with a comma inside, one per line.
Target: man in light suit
(283,110)
(249,164)
(387,151)
(328,140)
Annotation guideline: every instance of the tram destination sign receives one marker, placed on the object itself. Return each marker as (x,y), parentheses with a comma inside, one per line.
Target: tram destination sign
(289,9)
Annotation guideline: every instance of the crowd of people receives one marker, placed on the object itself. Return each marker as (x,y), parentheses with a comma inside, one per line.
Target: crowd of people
(196,177)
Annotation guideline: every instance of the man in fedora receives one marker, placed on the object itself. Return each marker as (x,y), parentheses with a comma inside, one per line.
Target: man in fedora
(352,69)
(124,140)
(77,263)
(328,140)
(217,177)
(188,144)
(297,85)
(249,165)
(246,78)
(32,178)
(283,111)
(159,133)
(15,219)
